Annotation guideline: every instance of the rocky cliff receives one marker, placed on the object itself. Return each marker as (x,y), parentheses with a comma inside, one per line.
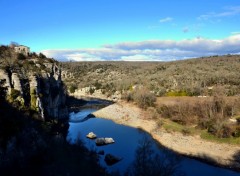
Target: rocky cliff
(34,82)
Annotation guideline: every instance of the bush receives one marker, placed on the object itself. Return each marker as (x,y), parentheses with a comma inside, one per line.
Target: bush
(21,56)
(91,90)
(128,96)
(177,94)
(182,113)
(97,85)
(72,88)
(186,131)
(141,96)
(15,93)
(221,129)
(236,133)
(144,98)
(33,99)
(227,131)
(42,56)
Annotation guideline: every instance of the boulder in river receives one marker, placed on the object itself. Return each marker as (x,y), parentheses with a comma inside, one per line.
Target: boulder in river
(111,159)
(109,140)
(104,141)
(91,135)
(100,141)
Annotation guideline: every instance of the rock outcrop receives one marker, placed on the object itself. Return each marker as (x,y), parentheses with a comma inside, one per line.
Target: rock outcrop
(4,76)
(16,83)
(42,91)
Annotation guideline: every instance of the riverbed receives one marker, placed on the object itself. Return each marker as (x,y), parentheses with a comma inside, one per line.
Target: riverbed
(126,142)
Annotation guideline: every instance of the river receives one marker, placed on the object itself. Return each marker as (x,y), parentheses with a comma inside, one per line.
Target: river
(126,142)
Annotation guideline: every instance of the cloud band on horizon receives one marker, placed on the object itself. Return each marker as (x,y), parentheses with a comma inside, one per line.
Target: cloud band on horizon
(151,50)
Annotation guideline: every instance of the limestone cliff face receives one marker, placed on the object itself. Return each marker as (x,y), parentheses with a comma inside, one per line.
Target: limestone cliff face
(4,76)
(53,94)
(43,92)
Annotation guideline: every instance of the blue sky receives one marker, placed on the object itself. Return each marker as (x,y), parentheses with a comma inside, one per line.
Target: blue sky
(122,30)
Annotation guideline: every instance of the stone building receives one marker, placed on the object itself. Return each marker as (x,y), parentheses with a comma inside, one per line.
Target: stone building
(22,49)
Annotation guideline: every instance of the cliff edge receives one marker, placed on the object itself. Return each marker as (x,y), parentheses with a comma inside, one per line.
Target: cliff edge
(33,81)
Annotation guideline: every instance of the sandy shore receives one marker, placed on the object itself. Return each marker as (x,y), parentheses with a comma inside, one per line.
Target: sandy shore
(194,146)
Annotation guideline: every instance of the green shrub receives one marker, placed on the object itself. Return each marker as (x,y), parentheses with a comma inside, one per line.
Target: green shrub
(177,94)
(72,88)
(128,96)
(42,56)
(236,133)
(97,85)
(91,90)
(21,56)
(15,93)
(186,131)
(33,99)
(221,130)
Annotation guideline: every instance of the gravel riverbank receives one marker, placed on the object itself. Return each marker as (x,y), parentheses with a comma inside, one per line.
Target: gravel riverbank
(193,146)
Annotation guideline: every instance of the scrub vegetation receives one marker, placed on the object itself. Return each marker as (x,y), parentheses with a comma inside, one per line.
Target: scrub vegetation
(193,77)
(200,95)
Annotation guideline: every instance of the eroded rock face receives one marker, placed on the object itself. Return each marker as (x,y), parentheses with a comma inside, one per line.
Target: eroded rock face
(16,83)
(43,92)
(53,94)
(4,76)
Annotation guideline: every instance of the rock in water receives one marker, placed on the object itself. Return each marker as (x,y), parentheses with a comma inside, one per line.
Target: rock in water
(109,140)
(100,141)
(91,135)
(104,141)
(111,159)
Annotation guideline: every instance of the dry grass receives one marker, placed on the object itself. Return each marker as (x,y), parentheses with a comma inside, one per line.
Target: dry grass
(170,101)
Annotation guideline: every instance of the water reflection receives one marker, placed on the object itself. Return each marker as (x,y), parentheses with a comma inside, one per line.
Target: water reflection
(140,154)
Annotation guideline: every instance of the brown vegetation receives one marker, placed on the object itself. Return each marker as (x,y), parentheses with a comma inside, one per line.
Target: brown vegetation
(205,87)
(191,77)
(141,96)
(211,113)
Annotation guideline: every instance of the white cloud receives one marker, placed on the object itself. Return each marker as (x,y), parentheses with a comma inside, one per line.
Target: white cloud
(152,50)
(229,11)
(164,20)
(137,57)
(235,32)
(82,57)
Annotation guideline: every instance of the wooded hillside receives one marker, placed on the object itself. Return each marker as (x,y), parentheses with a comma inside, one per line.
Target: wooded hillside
(191,77)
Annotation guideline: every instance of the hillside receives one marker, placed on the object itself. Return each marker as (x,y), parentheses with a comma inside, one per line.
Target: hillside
(192,77)
(196,96)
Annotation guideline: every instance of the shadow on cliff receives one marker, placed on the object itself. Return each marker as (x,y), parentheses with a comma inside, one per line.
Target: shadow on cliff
(30,146)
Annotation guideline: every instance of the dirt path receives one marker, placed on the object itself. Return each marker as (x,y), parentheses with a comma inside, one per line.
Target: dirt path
(194,146)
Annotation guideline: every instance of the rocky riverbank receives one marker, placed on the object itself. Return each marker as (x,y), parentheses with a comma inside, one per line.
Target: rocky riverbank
(193,146)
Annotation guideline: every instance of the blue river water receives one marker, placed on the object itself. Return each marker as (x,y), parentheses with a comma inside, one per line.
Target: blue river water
(126,142)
